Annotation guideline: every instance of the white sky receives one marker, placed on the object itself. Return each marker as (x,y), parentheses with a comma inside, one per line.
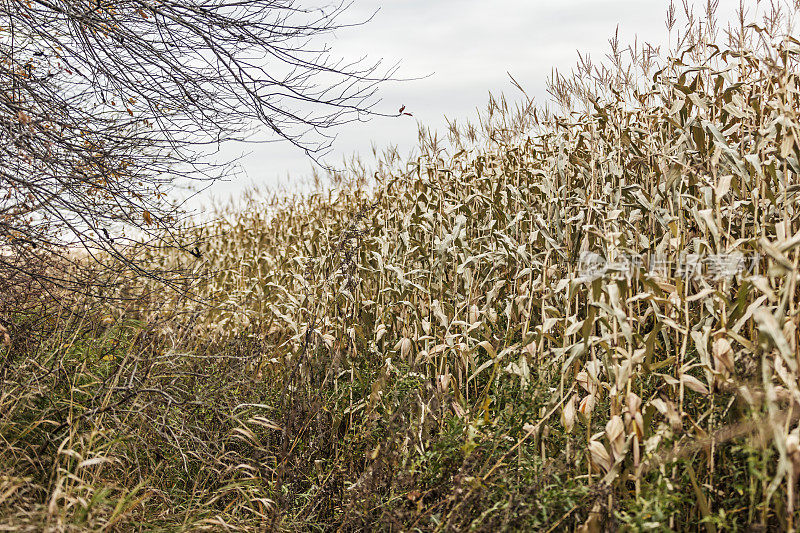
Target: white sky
(467,46)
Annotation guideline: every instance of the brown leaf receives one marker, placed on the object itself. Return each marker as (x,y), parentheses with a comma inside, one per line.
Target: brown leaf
(615,431)
(587,405)
(568,413)
(599,455)
(722,352)
(694,384)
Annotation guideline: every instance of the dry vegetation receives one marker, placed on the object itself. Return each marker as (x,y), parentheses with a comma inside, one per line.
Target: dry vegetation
(422,350)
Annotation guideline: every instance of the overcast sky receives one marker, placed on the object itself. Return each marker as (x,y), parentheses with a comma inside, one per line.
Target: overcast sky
(467,47)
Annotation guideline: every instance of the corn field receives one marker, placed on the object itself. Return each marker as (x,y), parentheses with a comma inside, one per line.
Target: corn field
(581,317)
